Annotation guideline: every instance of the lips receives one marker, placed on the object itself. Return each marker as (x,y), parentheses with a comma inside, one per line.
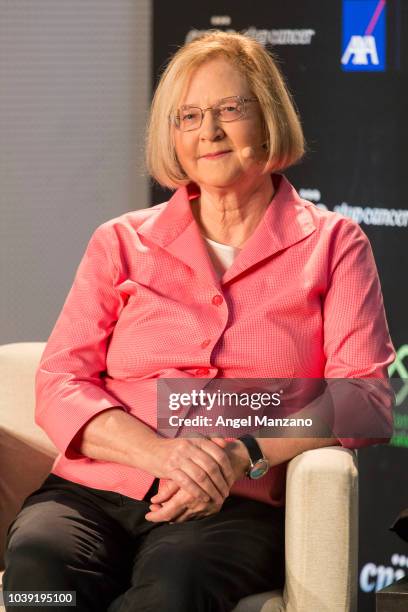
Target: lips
(216,155)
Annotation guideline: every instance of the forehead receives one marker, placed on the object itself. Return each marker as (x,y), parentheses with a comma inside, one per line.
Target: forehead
(215,79)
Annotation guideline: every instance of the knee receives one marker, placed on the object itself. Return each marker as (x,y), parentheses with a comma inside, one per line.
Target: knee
(35,540)
(172,576)
(32,561)
(176,563)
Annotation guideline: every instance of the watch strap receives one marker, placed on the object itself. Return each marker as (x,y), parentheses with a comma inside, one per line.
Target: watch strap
(253,448)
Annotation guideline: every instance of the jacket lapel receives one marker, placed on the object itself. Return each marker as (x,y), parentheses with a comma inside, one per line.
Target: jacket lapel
(285,222)
(175,230)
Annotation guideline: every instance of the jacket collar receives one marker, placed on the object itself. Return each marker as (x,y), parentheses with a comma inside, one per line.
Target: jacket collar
(285,222)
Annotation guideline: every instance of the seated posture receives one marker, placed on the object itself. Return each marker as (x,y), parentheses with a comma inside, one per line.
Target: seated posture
(235,277)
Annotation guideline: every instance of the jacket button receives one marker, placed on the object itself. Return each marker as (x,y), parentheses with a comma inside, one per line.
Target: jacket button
(202,371)
(217,300)
(205,343)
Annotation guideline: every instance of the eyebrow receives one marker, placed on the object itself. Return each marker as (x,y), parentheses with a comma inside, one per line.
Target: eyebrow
(184,106)
(189,106)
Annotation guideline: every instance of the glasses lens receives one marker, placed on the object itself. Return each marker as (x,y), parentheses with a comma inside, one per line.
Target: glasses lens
(229,109)
(189,118)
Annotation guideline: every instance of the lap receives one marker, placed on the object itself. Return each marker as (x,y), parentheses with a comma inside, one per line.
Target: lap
(61,540)
(227,556)
(241,525)
(108,543)
(64,521)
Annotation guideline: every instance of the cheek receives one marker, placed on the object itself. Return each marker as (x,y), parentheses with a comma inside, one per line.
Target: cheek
(184,150)
(254,132)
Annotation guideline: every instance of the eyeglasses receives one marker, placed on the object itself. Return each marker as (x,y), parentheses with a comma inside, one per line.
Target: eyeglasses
(227,109)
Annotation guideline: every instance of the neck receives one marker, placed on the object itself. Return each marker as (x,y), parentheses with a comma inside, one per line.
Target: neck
(230,216)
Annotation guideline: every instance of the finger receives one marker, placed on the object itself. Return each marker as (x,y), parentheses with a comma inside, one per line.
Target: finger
(207,474)
(191,467)
(219,466)
(168,512)
(156,517)
(185,516)
(222,442)
(189,515)
(159,516)
(188,483)
(176,506)
(183,453)
(154,507)
(167,491)
(215,447)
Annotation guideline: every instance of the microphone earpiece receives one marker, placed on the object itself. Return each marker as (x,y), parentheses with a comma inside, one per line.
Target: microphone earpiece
(250,152)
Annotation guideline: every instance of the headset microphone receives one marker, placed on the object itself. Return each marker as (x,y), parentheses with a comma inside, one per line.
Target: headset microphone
(248,152)
(251,152)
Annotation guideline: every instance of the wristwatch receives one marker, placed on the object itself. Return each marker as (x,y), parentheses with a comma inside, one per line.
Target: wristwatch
(259,464)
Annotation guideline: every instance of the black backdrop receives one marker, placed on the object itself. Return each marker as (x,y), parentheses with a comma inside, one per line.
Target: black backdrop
(354,117)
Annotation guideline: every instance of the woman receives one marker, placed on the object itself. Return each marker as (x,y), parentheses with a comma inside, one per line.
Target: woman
(234,277)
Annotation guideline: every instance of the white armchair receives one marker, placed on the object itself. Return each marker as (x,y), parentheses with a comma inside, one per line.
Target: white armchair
(321,526)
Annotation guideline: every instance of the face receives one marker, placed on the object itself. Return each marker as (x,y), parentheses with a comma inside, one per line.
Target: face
(212,81)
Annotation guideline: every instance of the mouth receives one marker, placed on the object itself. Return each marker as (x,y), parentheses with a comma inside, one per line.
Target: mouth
(215,155)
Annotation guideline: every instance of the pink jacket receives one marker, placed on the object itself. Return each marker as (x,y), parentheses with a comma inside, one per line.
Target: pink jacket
(302,299)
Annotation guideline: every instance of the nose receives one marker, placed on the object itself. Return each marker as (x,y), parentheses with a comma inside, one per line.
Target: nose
(211,128)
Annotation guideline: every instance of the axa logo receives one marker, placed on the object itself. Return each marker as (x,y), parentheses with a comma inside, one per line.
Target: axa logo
(364,29)
(362,51)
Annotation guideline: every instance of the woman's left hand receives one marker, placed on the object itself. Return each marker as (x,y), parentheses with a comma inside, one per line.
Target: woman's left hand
(174,505)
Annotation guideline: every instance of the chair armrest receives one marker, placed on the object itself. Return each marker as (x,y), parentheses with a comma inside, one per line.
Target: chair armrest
(26,452)
(321,531)
(24,467)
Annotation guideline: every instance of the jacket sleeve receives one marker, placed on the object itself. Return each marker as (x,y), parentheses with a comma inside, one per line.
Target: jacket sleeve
(69,389)
(357,343)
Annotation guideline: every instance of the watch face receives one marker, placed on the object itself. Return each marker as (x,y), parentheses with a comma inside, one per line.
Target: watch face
(259,469)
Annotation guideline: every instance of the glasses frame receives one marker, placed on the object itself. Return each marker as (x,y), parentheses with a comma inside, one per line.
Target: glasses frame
(241,99)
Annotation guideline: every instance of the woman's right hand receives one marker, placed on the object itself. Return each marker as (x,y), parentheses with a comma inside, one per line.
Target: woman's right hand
(199,466)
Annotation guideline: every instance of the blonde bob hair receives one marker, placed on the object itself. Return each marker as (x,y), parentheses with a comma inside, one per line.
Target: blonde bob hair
(284,138)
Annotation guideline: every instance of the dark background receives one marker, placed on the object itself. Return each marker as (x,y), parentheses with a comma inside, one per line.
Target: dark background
(356,129)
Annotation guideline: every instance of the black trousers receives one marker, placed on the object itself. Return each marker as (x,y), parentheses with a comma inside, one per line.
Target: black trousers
(72,537)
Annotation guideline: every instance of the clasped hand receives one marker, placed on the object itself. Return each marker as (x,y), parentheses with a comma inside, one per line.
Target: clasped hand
(200,473)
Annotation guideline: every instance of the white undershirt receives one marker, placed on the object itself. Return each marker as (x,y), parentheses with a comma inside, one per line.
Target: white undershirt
(221,255)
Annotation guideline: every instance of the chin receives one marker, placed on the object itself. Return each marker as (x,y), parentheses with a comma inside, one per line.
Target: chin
(219,179)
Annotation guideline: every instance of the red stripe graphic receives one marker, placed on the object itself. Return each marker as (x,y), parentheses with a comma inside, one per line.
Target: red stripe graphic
(375,17)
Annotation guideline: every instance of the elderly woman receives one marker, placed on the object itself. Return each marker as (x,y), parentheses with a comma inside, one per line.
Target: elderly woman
(234,277)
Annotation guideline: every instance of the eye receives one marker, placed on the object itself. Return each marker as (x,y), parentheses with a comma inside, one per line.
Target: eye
(189,115)
(230,108)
